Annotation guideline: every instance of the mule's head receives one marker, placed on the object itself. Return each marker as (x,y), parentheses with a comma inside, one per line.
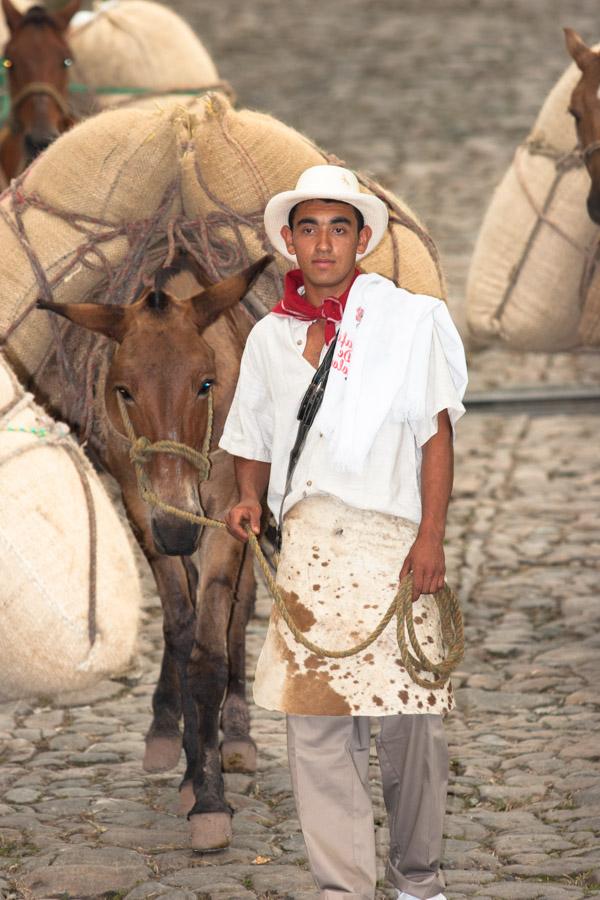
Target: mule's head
(37,58)
(585,109)
(165,369)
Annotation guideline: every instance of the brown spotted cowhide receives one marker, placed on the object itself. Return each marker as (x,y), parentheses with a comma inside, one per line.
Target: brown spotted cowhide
(338,572)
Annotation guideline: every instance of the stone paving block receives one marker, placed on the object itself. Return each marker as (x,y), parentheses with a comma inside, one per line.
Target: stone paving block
(150,889)
(522,890)
(81,881)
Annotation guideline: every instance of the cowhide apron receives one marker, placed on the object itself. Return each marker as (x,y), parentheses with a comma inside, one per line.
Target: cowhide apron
(338,573)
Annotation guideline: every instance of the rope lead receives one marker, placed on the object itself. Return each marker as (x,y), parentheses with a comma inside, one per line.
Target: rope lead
(413,657)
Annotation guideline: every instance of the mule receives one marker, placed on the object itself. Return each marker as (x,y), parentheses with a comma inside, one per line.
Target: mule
(37,59)
(584,106)
(165,356)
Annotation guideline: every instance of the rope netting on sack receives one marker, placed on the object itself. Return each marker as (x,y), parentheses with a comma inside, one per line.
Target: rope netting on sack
(534,279)
(222,240)
(57,436)
(70,592)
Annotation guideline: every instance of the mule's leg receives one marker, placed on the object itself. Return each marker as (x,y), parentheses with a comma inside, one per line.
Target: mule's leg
(238,750)
(220,559)
(174,582)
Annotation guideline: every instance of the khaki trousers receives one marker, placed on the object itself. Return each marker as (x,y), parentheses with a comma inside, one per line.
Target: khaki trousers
(329,765)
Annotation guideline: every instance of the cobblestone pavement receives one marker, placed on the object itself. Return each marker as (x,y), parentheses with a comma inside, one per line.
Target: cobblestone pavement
(432,98)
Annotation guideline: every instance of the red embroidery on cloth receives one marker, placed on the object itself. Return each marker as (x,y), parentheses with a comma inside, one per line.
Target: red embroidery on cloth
(343,354)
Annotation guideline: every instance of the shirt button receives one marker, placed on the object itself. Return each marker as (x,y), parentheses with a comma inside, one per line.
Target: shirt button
(309,483)
(298,342)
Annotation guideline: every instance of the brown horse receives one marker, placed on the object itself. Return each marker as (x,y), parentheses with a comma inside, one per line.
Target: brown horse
(585,109)
(37,58)
(171,354)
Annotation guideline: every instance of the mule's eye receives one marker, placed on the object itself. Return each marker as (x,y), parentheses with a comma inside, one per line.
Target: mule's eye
(67,61)
(124,393)
(7,63)
(205,387)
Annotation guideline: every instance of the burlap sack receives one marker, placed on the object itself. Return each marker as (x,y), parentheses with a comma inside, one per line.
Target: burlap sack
(65,226)
(138,44)
(239,158)
(531,276)
(52,637)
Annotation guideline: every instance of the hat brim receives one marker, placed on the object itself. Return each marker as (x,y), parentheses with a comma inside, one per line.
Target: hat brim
(277,210)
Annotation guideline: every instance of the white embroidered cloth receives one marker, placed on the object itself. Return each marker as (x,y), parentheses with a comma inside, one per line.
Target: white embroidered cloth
(262,425)
(381,365)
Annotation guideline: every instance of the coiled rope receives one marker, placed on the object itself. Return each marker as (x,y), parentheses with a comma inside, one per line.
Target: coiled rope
(413,657)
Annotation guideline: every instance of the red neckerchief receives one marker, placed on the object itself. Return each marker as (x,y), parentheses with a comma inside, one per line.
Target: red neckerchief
(296,305)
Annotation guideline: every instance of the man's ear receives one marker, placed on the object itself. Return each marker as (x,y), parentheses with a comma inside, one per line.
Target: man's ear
(211,303)
(365,235)
(578,49)
(111,321)
(288,238)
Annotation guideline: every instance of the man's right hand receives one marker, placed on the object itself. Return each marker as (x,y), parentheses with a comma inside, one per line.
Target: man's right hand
(241,515)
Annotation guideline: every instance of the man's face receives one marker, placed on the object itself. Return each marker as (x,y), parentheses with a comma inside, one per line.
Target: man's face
(325,240)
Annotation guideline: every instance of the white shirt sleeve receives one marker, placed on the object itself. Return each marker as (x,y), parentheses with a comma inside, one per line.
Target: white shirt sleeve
(248,430)
(441,393)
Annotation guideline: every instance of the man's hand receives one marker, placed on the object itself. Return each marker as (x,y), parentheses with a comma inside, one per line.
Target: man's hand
(241,515)
(426,562)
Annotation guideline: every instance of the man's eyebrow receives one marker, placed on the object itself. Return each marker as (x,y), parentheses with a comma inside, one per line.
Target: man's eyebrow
(309,220)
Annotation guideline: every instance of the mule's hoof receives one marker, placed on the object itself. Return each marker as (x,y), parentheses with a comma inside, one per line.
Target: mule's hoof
(211,831)
(187,798)
(162,753)
(238,756)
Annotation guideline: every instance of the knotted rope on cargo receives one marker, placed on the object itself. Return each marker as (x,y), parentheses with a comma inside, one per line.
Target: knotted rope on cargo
(412,654)
(563,163)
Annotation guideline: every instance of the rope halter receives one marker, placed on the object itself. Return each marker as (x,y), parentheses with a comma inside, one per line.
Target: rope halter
(142,449)
(33,89)
(590,150)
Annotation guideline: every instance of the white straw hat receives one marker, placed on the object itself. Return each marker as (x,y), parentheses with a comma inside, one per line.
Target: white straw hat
(325,183)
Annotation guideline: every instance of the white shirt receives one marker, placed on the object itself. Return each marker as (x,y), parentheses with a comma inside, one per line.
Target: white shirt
(262,425)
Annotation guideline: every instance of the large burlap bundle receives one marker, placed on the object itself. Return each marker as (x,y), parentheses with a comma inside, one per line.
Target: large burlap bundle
(69,598)
(531,281)
(239,158)
(138,44)
(83,215)
(107,202)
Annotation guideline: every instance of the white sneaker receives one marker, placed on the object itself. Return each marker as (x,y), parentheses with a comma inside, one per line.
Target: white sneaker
(402,895)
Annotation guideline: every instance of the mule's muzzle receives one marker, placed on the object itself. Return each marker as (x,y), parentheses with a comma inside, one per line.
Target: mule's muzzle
(173,536)
(36,143)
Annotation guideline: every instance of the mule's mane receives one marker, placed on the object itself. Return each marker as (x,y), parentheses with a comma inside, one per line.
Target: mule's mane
(38,15)
(157,301)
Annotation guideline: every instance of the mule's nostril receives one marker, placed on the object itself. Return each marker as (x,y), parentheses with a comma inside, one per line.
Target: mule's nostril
(593,207)
(175,537)
(35,145)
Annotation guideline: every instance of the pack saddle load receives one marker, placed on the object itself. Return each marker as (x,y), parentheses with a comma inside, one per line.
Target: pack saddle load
(70,595)
(533,281)
(108,202)
(128,50)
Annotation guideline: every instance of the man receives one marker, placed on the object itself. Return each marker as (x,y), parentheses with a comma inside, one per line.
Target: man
(366,502)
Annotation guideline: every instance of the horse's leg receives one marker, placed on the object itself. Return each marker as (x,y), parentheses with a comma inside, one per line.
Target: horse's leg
(220,560)
(238,750)
(175,584)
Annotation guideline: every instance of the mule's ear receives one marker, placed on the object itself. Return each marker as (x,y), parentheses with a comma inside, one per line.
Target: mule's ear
(12,15)
(111,321)
(578,49)
(63,16)
(212,302)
